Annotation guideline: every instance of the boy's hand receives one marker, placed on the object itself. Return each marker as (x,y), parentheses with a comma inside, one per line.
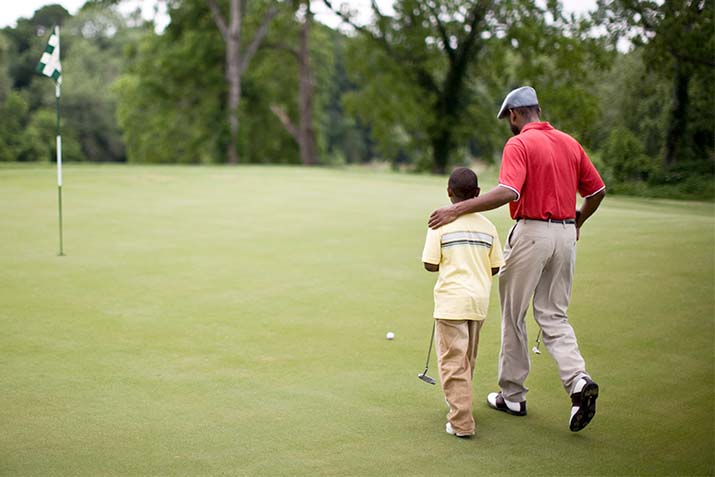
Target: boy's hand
(442,217)
(431,267)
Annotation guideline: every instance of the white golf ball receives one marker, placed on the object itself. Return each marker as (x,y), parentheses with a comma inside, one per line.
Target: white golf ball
(390,335)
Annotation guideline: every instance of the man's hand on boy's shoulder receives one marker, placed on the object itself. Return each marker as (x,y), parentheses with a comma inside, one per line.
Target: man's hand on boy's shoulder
(443,216)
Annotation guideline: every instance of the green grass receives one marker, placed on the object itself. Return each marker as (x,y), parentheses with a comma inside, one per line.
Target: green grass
(231,321)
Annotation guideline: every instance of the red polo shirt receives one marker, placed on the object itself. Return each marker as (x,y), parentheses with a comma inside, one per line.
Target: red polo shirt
(546,168)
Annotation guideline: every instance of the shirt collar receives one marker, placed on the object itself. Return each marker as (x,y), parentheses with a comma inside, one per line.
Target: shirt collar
(542,126)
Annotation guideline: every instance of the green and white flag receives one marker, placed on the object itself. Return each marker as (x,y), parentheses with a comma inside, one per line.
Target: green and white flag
(49,64)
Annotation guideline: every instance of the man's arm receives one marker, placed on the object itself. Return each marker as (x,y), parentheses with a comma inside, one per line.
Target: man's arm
(589,206)
(431,267)
(496,197)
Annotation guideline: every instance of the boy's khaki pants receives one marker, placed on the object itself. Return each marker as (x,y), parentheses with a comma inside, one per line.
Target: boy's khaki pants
(457,342)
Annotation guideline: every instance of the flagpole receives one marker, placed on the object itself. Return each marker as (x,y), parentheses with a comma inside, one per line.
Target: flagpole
(59,143)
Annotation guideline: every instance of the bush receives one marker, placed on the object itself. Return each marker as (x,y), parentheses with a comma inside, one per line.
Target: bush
(624,157)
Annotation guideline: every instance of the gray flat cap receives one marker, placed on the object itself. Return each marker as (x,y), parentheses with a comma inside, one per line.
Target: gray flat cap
(524,96)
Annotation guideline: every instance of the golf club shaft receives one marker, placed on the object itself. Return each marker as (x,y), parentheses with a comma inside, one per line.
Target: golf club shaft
(429,351)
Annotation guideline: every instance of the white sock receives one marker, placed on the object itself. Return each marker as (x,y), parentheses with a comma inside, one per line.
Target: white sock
(579,385)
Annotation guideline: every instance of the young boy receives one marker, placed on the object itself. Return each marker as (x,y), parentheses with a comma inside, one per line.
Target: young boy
(466,253)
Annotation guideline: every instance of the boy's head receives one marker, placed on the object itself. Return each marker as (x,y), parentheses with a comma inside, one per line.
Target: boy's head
(463,185)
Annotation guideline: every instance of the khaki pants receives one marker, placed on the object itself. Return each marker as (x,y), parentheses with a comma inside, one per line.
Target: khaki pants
(540,259)
(457,342)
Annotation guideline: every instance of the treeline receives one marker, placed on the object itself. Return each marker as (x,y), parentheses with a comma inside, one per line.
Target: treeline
(261,81)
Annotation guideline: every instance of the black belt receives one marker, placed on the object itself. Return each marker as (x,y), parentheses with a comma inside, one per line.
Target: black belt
(553,221)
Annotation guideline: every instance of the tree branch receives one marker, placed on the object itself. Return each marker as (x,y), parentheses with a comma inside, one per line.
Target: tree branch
(443,32)
(284,47)
(218,18)
(257,39)
(346,18)
(691,59)
(423,76)
(285,120)
(478,14)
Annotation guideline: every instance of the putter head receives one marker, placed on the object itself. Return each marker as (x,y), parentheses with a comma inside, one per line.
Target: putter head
(536,350)
(423,376)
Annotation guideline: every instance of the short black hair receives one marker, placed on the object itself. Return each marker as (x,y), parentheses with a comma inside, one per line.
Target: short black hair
(527,110)
(464,183)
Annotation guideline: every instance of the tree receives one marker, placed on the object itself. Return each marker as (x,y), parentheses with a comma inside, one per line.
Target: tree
(167,112)
(678,39)
(439,64)
(237,60)
(304,133)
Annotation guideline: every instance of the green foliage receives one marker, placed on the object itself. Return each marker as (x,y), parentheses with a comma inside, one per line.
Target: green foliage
(168,113)
(171,108)
(411,92)
(91,45)
(15,145)
(625,158)
(675,42)
(415,89)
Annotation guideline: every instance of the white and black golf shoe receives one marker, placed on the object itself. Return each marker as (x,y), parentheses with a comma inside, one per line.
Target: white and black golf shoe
(497,401)
(583,403)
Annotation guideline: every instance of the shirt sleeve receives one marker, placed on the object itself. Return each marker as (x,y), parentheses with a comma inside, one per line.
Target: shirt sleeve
(496,255)
(589,181)
(432,252)
(513,166)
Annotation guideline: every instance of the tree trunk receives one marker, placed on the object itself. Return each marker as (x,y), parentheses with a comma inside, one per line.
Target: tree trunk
(303,134)
(236,61)
(306,134)
(441,147)
(233,78)
(678,120)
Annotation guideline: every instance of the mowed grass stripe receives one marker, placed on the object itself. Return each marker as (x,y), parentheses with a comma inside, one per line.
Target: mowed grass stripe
(213,320)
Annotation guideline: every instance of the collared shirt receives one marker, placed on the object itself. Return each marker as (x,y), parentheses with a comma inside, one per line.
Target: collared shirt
(546,167)
(466,250)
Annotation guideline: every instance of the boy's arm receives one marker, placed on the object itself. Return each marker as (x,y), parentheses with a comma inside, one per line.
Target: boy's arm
(432,253)
(496,254)
(431,267)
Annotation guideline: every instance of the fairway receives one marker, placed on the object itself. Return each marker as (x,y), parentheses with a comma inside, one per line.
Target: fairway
(232,320)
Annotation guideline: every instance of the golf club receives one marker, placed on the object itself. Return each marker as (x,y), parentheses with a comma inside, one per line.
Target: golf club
(535,349)
(424,376)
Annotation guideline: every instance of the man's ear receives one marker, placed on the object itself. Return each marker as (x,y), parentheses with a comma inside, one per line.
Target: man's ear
(477,193)
(450,194)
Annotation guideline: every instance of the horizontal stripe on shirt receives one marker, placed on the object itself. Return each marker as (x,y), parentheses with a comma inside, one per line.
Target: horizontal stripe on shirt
(467,238)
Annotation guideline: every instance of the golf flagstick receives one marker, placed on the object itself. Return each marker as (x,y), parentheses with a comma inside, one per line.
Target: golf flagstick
(50,65)
(59,159)
(424,376)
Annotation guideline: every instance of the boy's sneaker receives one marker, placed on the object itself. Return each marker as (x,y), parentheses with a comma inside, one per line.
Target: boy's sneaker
(583,401)
(449,430)
(497,401)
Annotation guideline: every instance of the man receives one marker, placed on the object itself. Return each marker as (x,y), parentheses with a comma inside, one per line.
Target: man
(542,170)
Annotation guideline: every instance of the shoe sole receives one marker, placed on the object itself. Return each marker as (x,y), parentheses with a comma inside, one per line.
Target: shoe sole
(587,409)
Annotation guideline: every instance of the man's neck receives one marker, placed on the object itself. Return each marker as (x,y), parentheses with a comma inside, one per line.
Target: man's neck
(531,119)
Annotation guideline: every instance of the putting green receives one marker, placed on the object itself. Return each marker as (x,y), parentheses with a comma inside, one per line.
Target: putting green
(231,321)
